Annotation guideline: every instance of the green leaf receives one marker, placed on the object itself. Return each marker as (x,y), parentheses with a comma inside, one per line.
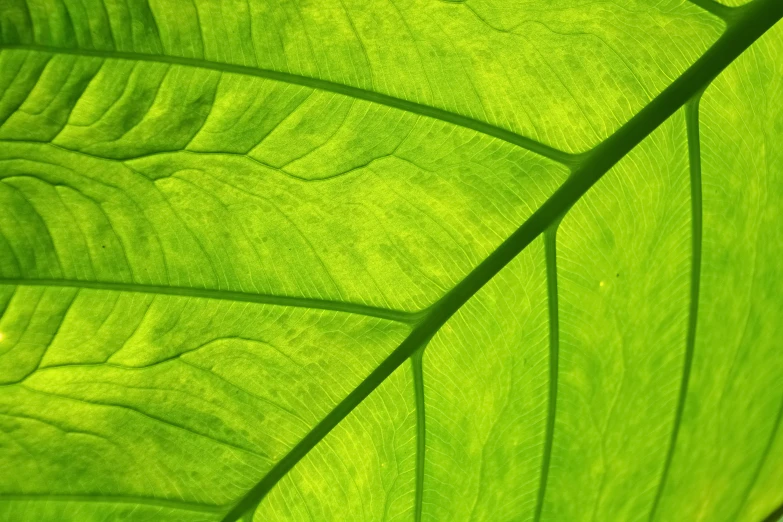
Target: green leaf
(386,261)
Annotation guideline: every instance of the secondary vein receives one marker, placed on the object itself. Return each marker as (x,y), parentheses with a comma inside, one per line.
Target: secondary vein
(417,361)
(524,142)
(226,295)
(550,250)
(694,159)
(115,499)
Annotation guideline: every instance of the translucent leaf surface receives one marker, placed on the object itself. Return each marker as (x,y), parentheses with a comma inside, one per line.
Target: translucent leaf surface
(392,261)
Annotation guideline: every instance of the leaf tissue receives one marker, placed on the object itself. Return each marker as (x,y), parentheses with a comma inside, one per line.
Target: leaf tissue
(391,260)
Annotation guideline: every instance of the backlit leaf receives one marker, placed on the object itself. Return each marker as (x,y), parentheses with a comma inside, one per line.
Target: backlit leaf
(385,261)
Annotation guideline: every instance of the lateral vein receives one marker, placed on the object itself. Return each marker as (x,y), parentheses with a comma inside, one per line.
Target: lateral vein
(116,499)
(417,361)
(459,120)
(694,159)
(550,250)
(226,295)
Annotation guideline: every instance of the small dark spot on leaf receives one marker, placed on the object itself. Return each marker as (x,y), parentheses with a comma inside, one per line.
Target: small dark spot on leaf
(103,246)
(618,274)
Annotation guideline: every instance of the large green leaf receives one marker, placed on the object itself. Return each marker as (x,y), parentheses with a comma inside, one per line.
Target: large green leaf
(405,260)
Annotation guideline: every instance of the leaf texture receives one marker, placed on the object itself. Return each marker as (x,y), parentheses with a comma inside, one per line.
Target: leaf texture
(398,260)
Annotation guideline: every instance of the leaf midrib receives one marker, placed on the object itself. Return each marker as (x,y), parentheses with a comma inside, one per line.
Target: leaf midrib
(566,158)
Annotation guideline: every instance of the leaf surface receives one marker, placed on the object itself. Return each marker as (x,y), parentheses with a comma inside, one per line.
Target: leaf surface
(391,261)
